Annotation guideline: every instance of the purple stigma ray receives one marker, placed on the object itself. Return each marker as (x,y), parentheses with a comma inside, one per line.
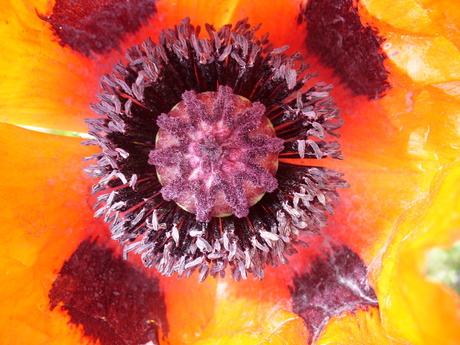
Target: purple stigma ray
(222,142)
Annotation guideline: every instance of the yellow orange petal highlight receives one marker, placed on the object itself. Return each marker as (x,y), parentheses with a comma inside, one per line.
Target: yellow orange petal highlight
(250,319)
(362,327)
(413,308)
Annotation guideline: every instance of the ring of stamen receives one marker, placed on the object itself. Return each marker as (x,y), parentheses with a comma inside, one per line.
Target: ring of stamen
(155,79)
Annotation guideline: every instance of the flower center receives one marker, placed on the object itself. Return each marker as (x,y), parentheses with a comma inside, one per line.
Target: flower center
(216,154)
(175,161)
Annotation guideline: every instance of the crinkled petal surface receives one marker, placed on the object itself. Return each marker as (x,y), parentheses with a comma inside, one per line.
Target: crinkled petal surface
(401,160)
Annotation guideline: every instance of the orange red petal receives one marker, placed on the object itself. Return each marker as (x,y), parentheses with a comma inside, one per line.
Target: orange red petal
(44,217)
(401,162)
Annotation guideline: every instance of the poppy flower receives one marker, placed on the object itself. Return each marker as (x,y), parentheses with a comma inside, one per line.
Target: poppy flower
(362,279)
